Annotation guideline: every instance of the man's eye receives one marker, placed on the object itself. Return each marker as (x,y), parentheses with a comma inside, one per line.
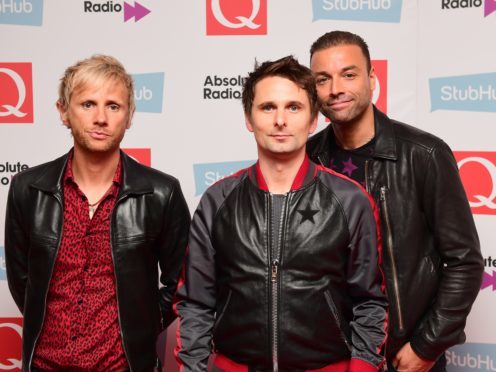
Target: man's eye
(114,107)
(267,108)
(321,80)
(87,104)
(349,76)
(293,108)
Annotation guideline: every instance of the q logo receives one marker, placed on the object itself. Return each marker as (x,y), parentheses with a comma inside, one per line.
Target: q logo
(478,174)
(16,93)
(379,97)
(10,344)
(242,17)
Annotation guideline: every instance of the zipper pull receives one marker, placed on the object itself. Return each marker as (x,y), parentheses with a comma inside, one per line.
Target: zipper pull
(275,265)
(383,193)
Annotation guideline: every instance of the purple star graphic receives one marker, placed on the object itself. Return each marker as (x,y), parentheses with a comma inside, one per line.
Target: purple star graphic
(349,167)
(332,165)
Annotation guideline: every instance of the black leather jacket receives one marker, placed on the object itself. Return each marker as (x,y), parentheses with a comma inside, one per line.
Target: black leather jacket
(291,278)
(149,226)
(432,258)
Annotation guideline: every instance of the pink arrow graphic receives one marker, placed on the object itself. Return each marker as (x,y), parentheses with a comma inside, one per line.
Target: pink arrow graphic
(489,7)
(488,280)
(137,11)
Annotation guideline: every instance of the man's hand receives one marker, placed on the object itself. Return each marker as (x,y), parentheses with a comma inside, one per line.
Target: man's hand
(407,361)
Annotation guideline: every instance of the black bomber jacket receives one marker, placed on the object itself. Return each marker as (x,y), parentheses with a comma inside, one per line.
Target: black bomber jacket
(149,228)
(432,259)
(296,285)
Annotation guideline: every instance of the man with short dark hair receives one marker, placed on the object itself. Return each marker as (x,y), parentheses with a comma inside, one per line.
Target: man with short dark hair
(282,271)
(86,233)
(432,260)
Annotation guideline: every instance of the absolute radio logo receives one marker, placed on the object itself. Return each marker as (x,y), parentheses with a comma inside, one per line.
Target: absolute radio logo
(8,170)
(489,5)
(223,87)
(142,156)
(10,344)
(388,11)
(489,278)
(16,93)
(207,174)
(149,91)
(471,357)
(240,17)
(21,12)
(478,174)
(134,11)
(464,93)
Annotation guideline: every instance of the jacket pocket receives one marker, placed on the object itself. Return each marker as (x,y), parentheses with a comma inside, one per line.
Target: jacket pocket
(220,315)
(337,318)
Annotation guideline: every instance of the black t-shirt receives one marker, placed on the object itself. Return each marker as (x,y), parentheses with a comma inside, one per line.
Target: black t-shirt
(351,163)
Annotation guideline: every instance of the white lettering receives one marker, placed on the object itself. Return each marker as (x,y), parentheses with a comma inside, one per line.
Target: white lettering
(243,21)
(12,6)
(144,94)
(356,5)
(480,93)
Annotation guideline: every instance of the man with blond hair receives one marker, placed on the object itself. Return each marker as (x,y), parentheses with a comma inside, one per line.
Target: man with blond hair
(86,234)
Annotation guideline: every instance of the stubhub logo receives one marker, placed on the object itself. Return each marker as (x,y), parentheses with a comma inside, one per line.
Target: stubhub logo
(388,11)
(149,91)
(3,268)
(207,174)
(21,12)
(471,357)
(464,93)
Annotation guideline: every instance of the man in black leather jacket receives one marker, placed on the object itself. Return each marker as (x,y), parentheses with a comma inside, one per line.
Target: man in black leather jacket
(86,234)
(432,259)
(282,271)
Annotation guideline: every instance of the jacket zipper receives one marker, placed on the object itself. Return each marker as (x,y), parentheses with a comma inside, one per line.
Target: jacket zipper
(389,244)
(59,200)
(320,160)
(116,287)
(275,264)
(367,186)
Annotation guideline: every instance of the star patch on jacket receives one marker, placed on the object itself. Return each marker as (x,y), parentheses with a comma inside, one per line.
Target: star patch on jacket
(307,214)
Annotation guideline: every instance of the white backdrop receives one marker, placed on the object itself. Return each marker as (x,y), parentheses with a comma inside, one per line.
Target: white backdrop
(436,65)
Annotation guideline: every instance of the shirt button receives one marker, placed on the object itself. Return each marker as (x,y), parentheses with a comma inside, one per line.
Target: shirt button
(74,338)
(80,302)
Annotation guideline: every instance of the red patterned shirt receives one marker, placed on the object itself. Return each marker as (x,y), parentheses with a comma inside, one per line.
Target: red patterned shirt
(81,327)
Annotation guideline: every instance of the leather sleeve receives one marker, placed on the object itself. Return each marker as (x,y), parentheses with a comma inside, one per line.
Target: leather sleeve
(196,297)
(449,217)
(172,249)
(16,247)
(366,284)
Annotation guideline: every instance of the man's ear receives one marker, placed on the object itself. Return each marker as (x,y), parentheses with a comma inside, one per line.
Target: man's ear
(63,114)
(248,123)
(373,80)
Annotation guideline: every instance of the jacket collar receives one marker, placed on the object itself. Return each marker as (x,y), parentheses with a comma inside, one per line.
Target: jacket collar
(305,175)
(385,139)
(134,177)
